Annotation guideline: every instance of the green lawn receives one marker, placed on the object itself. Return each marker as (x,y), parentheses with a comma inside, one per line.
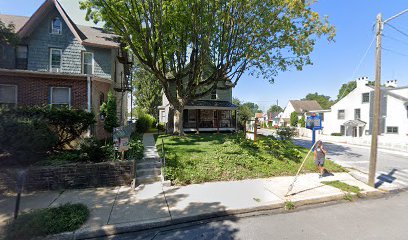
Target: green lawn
(42,222)
(222,157)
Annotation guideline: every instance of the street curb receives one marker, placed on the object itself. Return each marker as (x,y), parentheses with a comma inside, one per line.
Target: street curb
(114,229)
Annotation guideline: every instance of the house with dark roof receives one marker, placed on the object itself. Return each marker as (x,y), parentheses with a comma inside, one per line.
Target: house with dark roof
(211,113)
(301,107)
(58,62)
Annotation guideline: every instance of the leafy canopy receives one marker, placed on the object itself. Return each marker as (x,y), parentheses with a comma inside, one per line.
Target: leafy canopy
(147,92)
(323,100)
(7,34)
(275,109)
(176,40)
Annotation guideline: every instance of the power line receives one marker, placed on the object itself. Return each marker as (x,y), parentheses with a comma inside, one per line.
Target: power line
(358,65)
(395,52)
(396,39)
(398,30)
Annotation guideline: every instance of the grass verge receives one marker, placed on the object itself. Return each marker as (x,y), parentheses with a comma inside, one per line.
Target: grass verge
(42,222)
(345,188)
(206,157)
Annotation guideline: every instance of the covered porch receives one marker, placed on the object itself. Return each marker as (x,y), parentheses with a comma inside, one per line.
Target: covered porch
(209,116)
(354,128)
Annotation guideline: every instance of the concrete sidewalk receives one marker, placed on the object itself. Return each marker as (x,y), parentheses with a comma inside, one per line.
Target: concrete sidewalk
(121,209)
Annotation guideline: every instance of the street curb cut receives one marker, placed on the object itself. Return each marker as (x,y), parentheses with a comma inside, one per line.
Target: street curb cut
(114,229)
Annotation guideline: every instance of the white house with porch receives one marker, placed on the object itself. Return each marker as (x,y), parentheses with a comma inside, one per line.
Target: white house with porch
(352,116)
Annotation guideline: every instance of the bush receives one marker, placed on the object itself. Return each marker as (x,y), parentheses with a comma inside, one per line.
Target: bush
(108,109)
(337,134)
(161,127)
(68,217)
(91,151)
(66,123)
(144,123)
(25,139)
(294,119)
(286,133)
(136,147)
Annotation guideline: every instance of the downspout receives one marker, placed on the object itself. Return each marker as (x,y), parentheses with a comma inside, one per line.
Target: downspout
(88,79)
(88,86)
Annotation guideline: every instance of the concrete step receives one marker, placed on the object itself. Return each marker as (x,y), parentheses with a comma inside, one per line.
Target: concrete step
(148,165)
(148,179)
(148,172)
(148,160)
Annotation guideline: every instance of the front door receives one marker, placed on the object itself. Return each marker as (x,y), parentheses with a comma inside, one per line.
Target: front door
(354,131)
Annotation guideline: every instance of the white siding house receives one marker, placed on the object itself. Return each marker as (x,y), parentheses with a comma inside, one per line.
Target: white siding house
(301,107)
(352,115)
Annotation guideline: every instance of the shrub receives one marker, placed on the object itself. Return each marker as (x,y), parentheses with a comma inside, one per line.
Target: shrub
(337,134)
(302,122)
(26,139)
(144,123)
(161,127)
(286,133)
(66,123)
(91,151)
(108,109)
(136,147)
(294,119)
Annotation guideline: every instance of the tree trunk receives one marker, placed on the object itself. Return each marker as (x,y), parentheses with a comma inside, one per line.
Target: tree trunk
(178,121)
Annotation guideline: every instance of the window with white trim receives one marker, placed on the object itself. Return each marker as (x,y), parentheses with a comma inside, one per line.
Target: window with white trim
(56,26)
(87,63)
(393,130)
(357,114)
(342,130)
(214,94)
(365,97)
(8,96)
(60,97)
(341,114)
(55,59)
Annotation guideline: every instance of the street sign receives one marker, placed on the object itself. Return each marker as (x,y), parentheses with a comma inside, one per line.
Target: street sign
(314,123)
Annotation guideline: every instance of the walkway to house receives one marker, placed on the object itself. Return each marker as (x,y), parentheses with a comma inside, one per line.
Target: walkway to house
(149,144)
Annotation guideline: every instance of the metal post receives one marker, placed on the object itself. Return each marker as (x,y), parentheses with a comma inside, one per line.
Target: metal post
(313,136)
(377,106)
(21,177)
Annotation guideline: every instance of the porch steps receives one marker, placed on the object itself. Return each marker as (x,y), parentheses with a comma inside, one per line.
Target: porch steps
(148,170)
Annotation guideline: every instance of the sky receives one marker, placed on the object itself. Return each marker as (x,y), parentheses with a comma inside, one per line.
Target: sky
(334,63)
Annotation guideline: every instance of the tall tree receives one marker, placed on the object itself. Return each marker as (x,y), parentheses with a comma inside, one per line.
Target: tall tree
(275,109)
(252,106)
(147,93)
(194,47)
(346,89)
(294,119)
(323,100)
(7,34)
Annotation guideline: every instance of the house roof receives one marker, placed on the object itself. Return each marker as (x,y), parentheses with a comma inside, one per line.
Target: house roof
(17,21)
(259,115)
(210,104)
(86,35)
(301,106)
(354,123)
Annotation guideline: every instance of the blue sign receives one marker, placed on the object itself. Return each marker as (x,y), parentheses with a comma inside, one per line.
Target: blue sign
(314,123)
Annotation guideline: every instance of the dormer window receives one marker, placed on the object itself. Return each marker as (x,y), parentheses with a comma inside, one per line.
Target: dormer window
(56,26)
(214,94)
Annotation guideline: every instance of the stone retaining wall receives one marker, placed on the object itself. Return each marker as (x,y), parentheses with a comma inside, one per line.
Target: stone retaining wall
(69,176)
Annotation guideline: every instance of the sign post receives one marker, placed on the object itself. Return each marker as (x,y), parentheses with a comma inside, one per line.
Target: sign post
(314,123)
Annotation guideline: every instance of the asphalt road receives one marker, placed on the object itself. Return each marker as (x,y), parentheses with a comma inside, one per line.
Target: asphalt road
(392,167)
(372,219)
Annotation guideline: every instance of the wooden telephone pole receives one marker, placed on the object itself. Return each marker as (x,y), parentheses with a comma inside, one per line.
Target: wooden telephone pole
(377,105)
(375,128)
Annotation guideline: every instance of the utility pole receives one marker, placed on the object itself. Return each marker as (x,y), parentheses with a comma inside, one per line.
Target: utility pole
(377,98)
(377,105)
